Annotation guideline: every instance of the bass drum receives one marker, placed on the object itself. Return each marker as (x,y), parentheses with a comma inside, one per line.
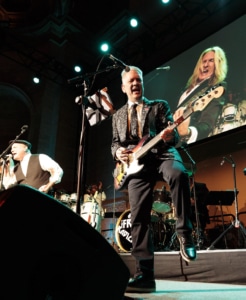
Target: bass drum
(123,234)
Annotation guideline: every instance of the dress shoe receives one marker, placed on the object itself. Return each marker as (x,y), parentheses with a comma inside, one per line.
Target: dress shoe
(187,248)
(141,284)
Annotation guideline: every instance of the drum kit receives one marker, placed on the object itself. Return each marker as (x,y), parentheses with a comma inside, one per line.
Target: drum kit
(90,211)
(232,116)
(163,222)
(69,200)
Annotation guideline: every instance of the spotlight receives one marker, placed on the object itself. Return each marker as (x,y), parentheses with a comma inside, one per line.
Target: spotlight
(36,79)
(77,69)
(104,47)
(134,22)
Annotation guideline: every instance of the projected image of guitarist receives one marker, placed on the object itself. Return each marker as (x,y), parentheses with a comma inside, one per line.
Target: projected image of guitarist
(144,136)
(210,71)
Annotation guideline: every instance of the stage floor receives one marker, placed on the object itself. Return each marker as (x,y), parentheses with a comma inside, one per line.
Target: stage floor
(174,290)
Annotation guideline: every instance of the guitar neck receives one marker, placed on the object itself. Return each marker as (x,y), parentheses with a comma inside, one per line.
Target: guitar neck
(188,111)
(198,104)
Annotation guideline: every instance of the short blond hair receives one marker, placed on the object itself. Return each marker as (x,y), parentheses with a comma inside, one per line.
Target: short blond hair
(124,72)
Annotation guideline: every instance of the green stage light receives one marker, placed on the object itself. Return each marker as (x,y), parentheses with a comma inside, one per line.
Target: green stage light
(104,47)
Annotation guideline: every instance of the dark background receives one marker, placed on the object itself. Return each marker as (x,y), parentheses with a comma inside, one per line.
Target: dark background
(49,37)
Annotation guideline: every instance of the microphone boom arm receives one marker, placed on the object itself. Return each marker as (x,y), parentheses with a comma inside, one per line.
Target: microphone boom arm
(91,74)
(23,129)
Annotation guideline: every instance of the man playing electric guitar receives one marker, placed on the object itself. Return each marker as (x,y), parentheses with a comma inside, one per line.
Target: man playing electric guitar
(210,70)
(163,159)
(124,170)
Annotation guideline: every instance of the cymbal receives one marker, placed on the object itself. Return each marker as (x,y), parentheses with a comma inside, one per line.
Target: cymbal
(190,168)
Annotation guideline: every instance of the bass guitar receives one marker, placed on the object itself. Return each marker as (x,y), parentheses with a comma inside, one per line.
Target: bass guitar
(123,171)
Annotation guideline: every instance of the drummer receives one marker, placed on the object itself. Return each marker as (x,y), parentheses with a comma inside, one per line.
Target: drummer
(95,193)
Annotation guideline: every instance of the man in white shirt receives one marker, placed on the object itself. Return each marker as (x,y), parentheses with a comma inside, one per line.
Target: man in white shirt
(36,170)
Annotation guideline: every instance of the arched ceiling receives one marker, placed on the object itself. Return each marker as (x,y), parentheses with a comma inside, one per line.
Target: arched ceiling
(28,26)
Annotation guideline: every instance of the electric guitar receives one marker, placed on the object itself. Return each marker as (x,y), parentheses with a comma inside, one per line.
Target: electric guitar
(123,171)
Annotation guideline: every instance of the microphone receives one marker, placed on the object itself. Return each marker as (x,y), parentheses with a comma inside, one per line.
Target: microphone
(167,68)
(119,63)
(24,128)
(244,171)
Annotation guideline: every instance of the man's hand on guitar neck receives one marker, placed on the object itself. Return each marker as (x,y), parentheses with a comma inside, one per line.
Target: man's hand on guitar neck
(183,128)
(168,134)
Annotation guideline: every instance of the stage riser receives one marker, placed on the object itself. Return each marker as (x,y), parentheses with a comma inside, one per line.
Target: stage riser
(211,266)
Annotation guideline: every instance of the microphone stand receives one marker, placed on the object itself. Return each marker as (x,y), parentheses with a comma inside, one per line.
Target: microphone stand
(79,191)
(4,153)
(84,102)
(198,225)
(236,223)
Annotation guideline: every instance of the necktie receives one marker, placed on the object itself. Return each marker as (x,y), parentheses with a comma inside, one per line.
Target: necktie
(134,121)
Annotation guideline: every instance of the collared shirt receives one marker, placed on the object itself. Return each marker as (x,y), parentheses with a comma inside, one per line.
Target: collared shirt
(46,163)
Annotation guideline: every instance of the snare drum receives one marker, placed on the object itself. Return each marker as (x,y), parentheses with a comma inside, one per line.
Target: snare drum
(228,119)
(229,112)
(90,212)
(161,201)
(123,234)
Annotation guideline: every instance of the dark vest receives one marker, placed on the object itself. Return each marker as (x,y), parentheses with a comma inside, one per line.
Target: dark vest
(35,177)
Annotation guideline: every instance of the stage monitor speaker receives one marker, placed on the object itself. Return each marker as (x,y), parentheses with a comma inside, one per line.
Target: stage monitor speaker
(48,252)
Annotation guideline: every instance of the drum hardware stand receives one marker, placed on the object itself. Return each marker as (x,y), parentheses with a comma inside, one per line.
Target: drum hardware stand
(172,244)
(85,102)
(4,157)
(223,223)
(192,177)
(159,231)
(236,223)
(113,243)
